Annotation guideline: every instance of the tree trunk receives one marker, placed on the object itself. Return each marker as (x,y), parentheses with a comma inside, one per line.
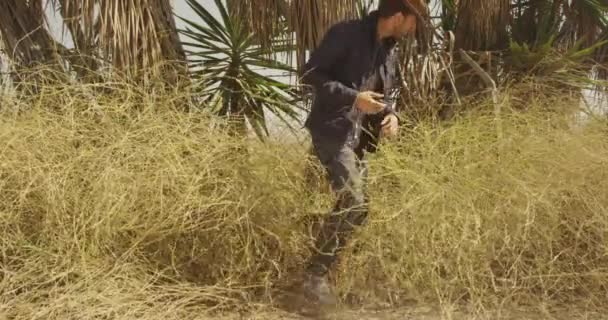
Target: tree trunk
(138,37)
(26,40)
(85,58)
(481,27)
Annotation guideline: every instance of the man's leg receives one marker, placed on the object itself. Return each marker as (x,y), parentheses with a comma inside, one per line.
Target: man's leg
(347,176)
(350,211)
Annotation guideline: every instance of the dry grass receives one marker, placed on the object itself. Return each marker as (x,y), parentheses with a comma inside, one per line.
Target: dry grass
(111,213)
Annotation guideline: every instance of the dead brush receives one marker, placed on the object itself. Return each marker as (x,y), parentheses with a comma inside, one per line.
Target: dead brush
(115,205)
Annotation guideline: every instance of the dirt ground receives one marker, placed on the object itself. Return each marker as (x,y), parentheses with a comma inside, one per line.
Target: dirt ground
(429,313)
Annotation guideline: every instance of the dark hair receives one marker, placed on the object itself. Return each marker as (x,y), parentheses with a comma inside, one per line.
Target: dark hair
(389,8)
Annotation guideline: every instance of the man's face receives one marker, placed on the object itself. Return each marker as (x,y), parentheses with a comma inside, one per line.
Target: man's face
(403,25)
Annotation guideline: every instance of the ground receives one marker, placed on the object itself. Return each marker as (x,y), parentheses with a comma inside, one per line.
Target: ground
(430,313)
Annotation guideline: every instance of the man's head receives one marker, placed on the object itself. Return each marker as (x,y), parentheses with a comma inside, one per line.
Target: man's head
(398,17)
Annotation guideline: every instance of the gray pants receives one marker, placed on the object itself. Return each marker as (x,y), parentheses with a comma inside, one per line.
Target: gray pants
(347,173)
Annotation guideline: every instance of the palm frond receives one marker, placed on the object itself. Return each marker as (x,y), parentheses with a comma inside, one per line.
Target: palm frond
(307,20)
(264,18)
(482,24)
(136,36)
(28,45)
(310,19)
(587,22)
(224,53)
(26,39)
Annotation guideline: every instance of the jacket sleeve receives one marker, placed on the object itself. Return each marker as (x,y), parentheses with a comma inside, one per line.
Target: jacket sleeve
(318,69)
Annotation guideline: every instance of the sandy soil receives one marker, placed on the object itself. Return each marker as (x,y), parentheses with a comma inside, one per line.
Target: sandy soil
(429,313)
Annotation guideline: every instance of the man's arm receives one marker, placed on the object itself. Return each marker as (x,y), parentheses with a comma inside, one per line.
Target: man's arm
(317,70)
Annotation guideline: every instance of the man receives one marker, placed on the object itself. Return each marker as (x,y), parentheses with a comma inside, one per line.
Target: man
(354,76)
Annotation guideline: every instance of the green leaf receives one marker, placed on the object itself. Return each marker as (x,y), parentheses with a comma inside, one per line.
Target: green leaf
(222,56)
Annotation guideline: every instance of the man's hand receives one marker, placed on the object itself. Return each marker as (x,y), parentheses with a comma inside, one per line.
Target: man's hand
(390,126)
(369,102)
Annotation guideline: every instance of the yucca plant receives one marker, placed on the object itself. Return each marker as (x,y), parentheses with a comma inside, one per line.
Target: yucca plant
(552,34)
(226,61)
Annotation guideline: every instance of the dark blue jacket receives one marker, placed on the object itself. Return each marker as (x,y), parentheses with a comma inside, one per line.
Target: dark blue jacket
(349,59)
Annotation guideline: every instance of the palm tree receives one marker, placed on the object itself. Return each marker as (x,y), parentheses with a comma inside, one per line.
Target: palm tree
(517,35)
(25,38)
(307,20)
(482,24)
(226,60)
(478,25)
(137,37)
